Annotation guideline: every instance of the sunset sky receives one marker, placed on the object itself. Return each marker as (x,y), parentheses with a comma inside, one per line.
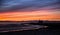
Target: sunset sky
(22,10)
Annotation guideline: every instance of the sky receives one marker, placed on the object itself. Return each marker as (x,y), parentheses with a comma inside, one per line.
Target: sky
(22,10)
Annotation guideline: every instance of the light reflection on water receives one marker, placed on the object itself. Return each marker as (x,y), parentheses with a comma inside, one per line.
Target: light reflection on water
(19,27)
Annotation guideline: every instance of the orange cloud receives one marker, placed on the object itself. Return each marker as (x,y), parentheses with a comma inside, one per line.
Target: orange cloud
(35,15)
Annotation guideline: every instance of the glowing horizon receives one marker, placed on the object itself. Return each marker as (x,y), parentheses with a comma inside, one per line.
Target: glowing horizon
(35,15)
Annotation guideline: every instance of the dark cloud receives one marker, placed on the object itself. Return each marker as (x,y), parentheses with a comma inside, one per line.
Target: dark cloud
(8,5)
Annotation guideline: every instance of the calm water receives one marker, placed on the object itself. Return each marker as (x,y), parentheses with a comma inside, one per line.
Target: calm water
(35,32)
